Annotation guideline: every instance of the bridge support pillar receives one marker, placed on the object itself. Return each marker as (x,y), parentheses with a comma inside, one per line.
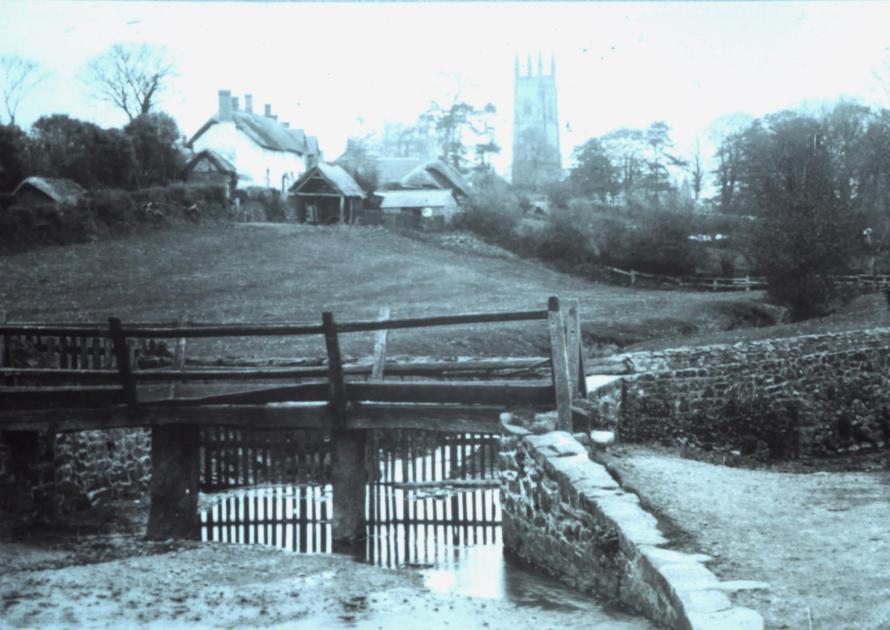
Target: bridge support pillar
(174,482)
(349,476)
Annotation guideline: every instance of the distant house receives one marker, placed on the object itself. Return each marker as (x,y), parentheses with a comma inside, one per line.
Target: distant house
(37,190)
(427,209)
(325,194)
(209,167)
(437,174)
(264,151)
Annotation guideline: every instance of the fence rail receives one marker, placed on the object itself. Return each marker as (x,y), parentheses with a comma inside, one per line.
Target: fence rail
(88,365)
(743,283)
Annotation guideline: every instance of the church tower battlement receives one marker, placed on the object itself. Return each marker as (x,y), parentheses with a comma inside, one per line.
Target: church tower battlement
(536,156)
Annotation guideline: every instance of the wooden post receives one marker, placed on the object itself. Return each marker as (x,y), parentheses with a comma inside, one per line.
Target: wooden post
(342,209)
(336,385)
(559,359)
(575,315)
(380,348)
(174,482)
(181,348)
(573,349)
(3,362)
(348,477)
(633,277)
(122,354)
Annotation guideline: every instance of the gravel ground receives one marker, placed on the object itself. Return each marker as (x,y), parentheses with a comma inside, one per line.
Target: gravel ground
(822,540)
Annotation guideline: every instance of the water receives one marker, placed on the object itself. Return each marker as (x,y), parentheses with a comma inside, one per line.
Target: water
(454,556)
(432,505)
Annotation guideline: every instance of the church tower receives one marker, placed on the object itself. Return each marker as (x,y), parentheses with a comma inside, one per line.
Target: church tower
(536,157)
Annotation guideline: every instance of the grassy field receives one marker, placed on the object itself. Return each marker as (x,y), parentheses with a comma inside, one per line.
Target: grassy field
(275,272)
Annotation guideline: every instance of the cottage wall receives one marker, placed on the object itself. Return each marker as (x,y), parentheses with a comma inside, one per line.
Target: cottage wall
(266,168)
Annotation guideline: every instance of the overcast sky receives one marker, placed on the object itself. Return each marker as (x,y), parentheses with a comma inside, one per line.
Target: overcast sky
(334,69)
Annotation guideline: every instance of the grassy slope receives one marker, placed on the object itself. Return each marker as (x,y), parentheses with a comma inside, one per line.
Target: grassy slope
(268,273)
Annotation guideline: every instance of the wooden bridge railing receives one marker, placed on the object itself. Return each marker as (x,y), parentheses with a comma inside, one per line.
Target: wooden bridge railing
(108,378)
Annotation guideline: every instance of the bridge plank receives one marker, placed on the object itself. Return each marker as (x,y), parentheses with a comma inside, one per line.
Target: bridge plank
(453,418)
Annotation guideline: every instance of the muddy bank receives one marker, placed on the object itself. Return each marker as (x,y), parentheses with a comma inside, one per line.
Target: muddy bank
(212,584)
(90,574)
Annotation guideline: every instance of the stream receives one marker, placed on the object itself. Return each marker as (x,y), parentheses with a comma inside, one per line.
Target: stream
(451,536)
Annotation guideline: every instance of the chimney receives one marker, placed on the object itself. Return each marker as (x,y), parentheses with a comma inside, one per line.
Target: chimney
(267,111)
(248,103)
(234,103)
(286,125)
(225,105)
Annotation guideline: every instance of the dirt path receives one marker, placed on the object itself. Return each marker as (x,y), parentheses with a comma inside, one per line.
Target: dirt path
(219,585)
(822,540)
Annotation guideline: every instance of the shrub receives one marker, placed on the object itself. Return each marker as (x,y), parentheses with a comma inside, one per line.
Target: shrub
(493,215)
(115,208)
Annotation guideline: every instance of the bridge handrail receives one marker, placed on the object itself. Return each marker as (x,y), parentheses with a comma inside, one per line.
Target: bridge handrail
(198,330)
(565,361)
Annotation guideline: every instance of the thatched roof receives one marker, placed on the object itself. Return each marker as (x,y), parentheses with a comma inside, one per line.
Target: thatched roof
(335,176)
(62,191)
(436,174)
(221,163)
(264,131)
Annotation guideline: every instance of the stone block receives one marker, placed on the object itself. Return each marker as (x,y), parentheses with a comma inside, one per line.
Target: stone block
(689,576)
(736,618)
(704,601)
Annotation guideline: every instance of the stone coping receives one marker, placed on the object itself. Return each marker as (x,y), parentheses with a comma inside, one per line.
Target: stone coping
(688,596)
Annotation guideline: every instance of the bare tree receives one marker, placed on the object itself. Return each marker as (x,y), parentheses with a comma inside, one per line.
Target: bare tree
(130,76)
(18,76)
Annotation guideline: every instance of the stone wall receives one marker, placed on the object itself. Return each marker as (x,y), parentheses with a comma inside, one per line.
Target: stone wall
(114,461)
(564,513)
(799,396)
(44,476)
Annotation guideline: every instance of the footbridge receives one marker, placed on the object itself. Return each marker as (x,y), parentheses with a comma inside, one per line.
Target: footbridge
(96,377)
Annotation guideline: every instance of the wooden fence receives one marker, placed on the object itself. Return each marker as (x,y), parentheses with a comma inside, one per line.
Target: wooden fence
(242,457)
(743,283)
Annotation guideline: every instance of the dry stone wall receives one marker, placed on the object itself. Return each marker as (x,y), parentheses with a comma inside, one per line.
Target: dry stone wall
(812,395)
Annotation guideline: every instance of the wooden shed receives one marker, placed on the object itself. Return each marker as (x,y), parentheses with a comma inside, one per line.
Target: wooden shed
(326,194)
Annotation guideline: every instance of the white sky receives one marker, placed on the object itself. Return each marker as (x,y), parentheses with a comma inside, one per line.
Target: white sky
(324,67)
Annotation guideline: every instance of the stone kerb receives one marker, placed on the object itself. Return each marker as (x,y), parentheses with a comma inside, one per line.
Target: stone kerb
(565,514)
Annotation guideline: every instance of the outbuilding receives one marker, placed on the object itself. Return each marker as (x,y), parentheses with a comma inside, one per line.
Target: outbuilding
(209,167)
(427,209)
(326,194)
(37,190)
